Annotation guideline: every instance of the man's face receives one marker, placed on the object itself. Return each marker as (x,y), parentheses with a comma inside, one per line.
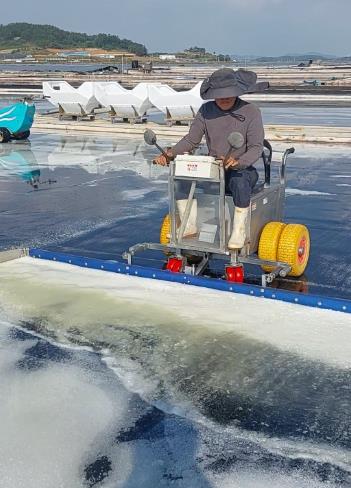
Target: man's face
(225,103)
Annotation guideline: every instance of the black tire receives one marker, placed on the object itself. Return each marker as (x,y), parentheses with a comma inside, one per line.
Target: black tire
(5,135)
(22,135)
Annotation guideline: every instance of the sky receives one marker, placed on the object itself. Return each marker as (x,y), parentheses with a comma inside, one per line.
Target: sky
(248,27)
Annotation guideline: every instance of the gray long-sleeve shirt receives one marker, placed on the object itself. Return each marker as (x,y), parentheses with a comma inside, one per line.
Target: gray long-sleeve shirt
(217,124)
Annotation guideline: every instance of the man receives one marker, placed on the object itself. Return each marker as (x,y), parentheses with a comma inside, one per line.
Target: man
(216,120)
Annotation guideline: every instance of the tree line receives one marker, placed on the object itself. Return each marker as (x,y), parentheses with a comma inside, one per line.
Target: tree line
(22,34)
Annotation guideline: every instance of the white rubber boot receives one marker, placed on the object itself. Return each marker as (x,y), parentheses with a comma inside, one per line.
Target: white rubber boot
(191,227)
(237,239)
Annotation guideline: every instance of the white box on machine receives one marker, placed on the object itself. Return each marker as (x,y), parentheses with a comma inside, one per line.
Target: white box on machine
(196,166)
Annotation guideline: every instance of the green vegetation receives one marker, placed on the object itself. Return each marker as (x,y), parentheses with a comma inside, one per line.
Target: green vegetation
(200,54)
(196,50)
(37,36)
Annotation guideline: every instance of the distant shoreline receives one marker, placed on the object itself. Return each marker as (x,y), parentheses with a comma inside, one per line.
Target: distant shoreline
(69,67)
(158,64)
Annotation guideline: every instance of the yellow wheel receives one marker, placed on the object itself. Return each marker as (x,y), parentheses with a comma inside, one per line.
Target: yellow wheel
(165,230)
(269,241)
(294,248)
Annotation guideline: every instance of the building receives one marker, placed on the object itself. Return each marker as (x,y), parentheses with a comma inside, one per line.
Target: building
(167,57)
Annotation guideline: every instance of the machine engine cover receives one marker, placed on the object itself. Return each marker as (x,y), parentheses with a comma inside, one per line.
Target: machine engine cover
(197,167)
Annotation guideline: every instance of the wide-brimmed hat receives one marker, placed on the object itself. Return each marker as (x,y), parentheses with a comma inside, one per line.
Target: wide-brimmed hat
(225,83)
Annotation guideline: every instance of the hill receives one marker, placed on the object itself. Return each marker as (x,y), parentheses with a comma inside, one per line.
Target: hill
(289,58)
(37,36)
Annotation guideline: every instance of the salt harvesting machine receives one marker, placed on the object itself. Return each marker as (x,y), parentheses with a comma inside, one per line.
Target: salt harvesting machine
(16,121)
(279,249)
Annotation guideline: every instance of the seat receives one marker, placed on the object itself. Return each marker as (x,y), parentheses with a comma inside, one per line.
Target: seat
(257,188)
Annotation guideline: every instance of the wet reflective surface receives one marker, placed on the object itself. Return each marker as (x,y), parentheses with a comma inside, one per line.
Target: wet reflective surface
(168,395)
(278,113)
(312,115)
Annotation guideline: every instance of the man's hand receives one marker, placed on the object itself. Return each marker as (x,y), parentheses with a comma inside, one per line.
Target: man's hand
(162,160)
(230,163)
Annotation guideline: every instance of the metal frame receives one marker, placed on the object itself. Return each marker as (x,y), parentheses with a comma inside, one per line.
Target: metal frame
(272,208)
(280,269)
(136,119)
(83,115)
(170,121)
(176,237)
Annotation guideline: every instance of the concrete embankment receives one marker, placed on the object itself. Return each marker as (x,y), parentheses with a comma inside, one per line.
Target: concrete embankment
(283,133)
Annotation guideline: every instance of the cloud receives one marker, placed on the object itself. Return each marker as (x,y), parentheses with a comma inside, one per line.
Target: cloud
(249,4)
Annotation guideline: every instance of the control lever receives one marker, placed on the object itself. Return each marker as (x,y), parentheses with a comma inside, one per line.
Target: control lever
(151,139)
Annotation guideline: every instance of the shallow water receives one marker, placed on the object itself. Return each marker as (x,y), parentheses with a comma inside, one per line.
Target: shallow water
(67,421)
(276,396)
(312,115)
(124,384)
